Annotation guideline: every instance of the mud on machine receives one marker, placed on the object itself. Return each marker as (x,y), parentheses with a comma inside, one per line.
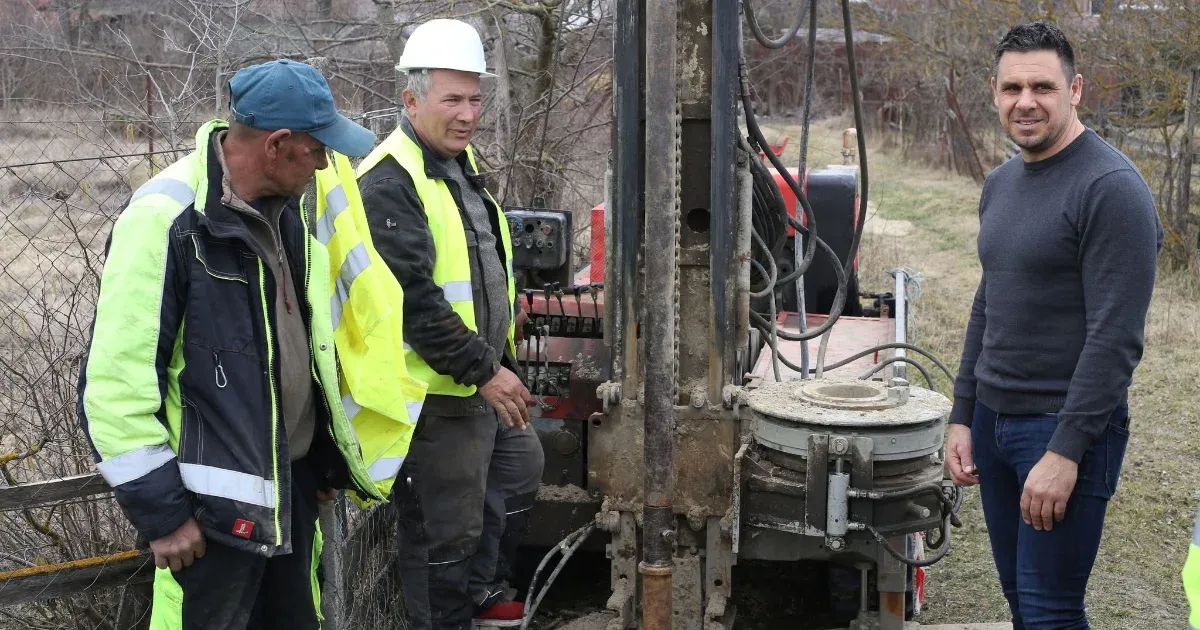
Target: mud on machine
(666,419)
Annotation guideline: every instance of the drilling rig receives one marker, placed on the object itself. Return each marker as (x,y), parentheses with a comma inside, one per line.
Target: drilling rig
(684,419)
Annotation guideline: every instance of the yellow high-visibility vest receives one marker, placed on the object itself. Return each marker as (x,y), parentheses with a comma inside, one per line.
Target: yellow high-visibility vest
(1191,578)
(382,399)
(452,266)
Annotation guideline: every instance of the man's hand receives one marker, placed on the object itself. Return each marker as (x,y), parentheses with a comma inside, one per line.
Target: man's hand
(508,396)
(958,455)
(1047,490)
(179,548)
(325,496)
(522,319)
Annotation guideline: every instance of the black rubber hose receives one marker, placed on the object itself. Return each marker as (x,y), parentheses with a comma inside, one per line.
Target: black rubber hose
(907,493)
(768,221)
(856,98)
(813,240)
(808,84)
(756,134)
(878,367)
(770,336)
(772,271)
(942,550)
(762,38)
(839,302)
(883,346)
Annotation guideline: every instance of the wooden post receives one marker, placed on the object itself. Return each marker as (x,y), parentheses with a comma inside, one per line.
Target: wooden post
(1187,153)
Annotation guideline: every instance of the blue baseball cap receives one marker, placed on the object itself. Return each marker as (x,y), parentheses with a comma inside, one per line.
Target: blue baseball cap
(286,94)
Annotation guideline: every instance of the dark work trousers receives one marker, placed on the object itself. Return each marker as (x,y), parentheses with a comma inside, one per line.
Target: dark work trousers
(1044,574)
(463,497)
(229,589)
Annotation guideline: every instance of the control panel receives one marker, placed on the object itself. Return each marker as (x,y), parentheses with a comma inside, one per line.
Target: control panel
(541,239)
(566,326)
(547,378)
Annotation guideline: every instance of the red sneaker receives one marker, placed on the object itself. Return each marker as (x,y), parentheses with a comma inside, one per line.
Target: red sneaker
(501,615)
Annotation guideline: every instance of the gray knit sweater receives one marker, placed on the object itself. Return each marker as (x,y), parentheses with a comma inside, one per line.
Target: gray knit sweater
(1068,246)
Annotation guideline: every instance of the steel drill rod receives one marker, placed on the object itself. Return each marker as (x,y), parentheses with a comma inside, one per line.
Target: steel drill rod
(900,369)
(661,219)
(626,191)
(726,40)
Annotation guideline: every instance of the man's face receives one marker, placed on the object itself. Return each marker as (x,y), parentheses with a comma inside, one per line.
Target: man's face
(446,118)
(1036,98)
(292,161)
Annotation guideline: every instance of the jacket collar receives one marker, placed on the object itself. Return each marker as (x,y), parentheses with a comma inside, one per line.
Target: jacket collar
(221,221)
(433,161)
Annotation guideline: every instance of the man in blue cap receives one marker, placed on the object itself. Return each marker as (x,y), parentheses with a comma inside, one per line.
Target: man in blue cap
(209,391)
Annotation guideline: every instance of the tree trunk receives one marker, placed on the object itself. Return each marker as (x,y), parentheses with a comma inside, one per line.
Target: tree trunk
(394,40)
(971,157)
(1186,154)
(535,140)
(547,43)
(505,121)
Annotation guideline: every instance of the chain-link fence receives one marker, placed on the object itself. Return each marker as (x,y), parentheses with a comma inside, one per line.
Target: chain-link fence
(62,184)
(67,557)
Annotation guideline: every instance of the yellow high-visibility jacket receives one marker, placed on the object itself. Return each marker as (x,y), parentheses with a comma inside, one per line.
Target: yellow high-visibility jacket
(1191,578)
(382,398)
(452,266)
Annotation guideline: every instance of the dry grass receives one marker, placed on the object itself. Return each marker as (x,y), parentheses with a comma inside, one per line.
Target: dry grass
(1135,585)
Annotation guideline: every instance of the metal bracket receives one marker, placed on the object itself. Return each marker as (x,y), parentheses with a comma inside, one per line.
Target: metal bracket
(817,484)
(624,576)
(718,578)
(862,476)
(609,394)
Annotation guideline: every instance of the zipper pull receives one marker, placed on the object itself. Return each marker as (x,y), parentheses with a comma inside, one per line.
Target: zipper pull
(287,302)
(219,372)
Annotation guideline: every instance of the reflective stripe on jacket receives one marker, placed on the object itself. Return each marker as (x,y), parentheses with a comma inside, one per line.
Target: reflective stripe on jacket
(179,390)
(1191,577)
(382,401)
(452,266)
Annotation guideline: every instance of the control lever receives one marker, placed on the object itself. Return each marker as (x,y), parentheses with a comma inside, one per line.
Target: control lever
(594,290)
(530,326)
(574,322)
(556,321)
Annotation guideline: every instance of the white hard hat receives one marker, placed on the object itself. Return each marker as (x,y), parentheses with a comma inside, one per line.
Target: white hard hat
(444,44)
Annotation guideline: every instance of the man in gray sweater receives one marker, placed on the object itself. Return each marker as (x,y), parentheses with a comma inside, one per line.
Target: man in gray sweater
(1069,240)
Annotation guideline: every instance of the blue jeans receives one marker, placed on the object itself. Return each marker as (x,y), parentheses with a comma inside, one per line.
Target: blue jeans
(1043,574)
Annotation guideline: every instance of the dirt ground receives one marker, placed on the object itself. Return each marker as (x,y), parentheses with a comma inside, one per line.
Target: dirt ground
(926,220)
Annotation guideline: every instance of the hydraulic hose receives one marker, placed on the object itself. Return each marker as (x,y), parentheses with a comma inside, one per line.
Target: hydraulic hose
(878,367)
(772,271)
(856,98)
(768,220)
(907,493)
(839,299)
(884,346)
(756,133)
(939,553)
(812,241)
(811,237)
(762,38)
(808,84)
(772,338)
(568,547)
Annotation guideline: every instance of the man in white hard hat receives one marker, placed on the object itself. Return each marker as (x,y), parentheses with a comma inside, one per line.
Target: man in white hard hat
(471,475)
